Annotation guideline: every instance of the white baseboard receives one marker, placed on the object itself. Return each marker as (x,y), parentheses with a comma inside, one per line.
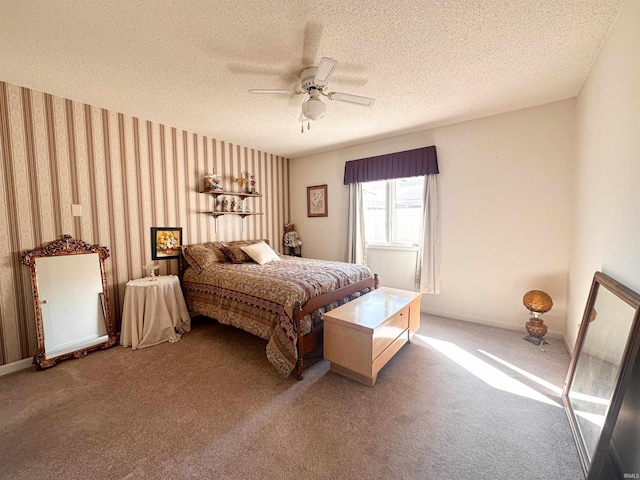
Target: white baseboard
(15,366)
(491,323)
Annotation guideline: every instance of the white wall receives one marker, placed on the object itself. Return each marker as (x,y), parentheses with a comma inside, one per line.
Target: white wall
(606,229)
(606,221)
(395,267)
(505,202)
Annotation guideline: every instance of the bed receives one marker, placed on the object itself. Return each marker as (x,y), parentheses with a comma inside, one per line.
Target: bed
(280,300)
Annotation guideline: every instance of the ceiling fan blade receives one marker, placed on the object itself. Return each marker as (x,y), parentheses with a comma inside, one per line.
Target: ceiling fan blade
(312,34)
(354,99)
(325,70)
(275,92)
(284,74)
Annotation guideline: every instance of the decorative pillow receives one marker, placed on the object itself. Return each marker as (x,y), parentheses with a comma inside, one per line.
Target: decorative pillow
(234,253)
(216,248)
(199,257)
(261,253)
(246,242)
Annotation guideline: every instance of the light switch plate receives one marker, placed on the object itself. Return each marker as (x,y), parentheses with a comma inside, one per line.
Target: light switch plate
(76,210)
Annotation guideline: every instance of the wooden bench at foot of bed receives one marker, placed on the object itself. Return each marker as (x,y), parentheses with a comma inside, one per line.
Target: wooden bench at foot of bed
(313,340)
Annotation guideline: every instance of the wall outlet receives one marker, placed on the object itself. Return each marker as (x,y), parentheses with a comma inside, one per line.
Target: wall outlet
(76,210)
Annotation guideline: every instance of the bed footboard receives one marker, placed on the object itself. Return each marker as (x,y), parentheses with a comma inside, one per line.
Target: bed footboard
(313,340)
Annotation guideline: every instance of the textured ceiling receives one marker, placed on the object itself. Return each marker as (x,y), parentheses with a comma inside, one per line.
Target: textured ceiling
(189,64)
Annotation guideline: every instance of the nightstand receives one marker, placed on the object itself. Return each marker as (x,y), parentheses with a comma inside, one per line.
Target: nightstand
(154,312)
(293,251)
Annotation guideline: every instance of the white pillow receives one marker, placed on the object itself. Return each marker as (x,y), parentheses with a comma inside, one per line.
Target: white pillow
(260,253)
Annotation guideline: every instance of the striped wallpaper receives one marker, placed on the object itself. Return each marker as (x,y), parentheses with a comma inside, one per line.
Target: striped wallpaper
(128,175)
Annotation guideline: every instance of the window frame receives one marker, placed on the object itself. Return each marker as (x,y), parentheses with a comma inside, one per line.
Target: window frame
(390,233)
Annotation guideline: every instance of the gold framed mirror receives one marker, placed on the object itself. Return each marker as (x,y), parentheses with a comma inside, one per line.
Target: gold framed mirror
(71,300)
(600,372)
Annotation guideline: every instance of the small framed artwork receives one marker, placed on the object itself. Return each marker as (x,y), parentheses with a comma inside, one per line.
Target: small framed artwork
(165,242)
(317,201)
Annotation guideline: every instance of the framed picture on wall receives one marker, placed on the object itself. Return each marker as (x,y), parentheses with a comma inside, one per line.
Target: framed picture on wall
(165,242)
(317,201)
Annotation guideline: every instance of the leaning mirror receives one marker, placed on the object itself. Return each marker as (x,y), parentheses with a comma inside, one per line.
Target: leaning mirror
(71,301)
(600,369)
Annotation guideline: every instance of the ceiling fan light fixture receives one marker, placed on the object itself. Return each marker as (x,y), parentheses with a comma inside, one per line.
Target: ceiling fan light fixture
(314,81)
(314,109)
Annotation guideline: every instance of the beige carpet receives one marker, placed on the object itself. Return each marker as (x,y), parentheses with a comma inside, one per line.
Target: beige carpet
(211,406)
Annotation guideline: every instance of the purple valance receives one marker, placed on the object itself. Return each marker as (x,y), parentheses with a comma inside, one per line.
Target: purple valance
(410,163)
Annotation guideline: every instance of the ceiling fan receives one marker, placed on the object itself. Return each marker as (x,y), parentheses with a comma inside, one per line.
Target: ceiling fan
(314,81)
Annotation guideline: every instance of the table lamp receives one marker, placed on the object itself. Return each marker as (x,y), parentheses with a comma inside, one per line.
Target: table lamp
(537,302)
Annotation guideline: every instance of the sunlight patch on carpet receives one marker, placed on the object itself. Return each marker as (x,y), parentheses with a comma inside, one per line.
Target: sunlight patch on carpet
(594,418)
(524,373)
(590,398)
(485,372)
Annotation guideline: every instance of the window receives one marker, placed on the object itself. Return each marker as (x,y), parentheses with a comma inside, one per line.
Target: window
(393,211)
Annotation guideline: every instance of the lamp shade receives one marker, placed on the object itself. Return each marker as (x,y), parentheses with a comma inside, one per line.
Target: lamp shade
(537,301)
(314,109)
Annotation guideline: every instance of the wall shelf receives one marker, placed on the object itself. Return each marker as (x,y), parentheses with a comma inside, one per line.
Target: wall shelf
(241,214)
(242,196)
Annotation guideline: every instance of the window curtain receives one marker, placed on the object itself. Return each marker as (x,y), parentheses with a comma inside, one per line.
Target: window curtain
(356,251)
(409,163)
(428,261)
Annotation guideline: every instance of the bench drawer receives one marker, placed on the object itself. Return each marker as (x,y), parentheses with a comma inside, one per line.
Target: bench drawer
(392,328)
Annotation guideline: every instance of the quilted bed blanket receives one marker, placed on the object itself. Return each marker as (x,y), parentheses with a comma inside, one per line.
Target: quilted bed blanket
(260,298)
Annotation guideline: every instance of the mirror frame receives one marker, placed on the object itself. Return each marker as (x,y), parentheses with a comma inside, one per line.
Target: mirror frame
(67,246)
(592,469)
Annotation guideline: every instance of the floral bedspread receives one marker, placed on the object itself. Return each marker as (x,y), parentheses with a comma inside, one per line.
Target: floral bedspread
(260,298)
